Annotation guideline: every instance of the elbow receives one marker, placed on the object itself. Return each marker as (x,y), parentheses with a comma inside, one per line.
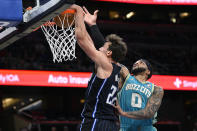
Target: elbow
(149,115)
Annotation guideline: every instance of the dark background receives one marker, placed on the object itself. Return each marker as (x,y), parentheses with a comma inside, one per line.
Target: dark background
(150,34)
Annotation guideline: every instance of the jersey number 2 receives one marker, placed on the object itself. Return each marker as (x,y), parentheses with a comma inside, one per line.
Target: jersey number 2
(111,98)
(136,100)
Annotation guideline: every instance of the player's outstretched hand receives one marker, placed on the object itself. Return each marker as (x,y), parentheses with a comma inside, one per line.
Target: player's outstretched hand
(89,18)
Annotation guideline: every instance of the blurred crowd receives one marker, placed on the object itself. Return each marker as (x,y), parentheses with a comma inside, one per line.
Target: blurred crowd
(168,56)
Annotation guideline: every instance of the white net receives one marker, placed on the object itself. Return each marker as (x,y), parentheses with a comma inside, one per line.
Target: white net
(61,37)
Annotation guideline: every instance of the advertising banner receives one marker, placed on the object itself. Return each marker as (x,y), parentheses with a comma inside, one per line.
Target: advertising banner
(80,79)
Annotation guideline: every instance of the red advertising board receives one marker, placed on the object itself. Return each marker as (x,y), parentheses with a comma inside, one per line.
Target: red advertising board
(175,82)
(159,2)
(80,79)
(44,78)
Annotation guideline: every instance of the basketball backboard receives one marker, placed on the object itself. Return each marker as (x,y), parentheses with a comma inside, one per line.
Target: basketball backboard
(17,22)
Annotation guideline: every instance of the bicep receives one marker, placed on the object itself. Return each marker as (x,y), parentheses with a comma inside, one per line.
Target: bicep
(154,101)
(120,82)
(85,42)
(124,72)
(88,47)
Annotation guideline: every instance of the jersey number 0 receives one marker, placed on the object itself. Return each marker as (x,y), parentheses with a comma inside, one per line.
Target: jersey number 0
(136,100)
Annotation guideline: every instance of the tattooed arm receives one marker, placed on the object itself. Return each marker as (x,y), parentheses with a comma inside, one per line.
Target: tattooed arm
(151,108)
(124,72)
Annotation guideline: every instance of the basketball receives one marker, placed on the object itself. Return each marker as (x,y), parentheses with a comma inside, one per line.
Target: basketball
(66,18)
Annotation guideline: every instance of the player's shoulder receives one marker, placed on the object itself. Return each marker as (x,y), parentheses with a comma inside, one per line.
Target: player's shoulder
(158,89)
(149,84)
(154,85)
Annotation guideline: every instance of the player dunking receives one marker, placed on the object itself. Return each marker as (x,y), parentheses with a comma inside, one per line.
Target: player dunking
(138,99)
(98,113)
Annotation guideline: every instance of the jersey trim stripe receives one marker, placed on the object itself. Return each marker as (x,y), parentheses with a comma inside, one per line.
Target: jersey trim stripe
(94,125)
(82,112)
(82,123)
(93,115)
(88,95)
(153,88)
(91,84)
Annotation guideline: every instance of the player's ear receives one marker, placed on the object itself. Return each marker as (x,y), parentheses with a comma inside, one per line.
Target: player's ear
(148,72)
(109,53)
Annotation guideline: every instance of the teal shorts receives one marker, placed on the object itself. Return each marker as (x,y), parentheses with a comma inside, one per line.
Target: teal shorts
(138,128)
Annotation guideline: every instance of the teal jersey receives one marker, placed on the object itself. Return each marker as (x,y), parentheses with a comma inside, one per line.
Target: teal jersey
(134,96)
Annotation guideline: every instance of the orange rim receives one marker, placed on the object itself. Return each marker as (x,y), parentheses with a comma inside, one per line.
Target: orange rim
(68,11)
(45,24)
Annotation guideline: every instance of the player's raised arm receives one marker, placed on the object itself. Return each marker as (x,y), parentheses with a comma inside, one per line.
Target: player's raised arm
(151,108)
(84,40)
(90,19)
(96,35)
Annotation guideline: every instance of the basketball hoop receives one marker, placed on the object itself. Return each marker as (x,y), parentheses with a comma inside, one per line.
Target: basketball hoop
(60,34)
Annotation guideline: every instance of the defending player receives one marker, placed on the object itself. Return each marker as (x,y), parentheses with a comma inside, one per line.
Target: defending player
(139,99)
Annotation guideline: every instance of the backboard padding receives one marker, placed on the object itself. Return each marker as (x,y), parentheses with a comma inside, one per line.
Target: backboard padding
(11,12)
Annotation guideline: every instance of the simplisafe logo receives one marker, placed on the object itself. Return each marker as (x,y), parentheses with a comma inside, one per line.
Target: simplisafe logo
(185,83)
(190,84)
(178,83)
(9,78)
